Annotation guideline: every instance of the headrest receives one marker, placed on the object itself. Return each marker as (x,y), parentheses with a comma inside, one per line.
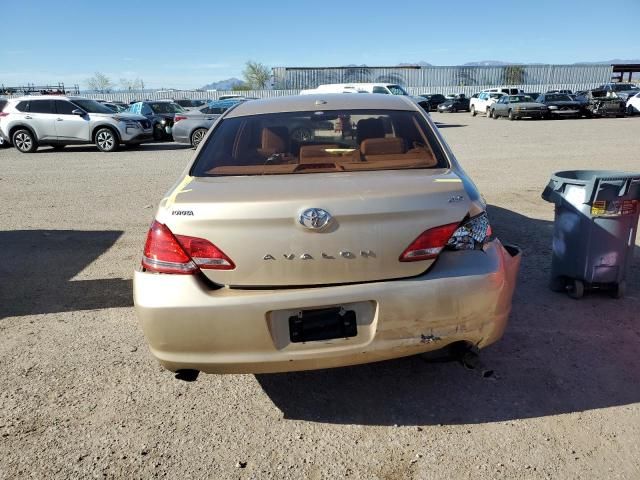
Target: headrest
(369,128)
(382,146)
(274,140)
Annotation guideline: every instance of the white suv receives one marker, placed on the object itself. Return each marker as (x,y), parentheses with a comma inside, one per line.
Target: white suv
(483,102)
(28,122)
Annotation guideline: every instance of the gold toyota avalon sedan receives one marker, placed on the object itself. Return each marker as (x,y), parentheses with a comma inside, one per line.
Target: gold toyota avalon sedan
(320,231)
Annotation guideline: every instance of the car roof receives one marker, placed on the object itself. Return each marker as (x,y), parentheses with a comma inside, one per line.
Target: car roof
(48,97)
(324,101)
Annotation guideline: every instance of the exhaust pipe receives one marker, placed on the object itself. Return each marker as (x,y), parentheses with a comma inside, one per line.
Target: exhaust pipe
(471,360)
(187,375)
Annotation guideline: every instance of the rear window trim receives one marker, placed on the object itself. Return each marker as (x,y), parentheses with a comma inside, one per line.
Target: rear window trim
(435,144)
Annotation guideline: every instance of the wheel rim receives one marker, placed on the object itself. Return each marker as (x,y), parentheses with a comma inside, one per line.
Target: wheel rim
(23,141)
(198,135)
(105,140)
(301,135)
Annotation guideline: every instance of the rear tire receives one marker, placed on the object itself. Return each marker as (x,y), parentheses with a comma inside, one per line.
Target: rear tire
(488,112)
(158,132)
(619,290)
(575,289)
(106,140)
(24,141)
(473,111)
(301,135)
(494,115)
(511,115)
(197,136)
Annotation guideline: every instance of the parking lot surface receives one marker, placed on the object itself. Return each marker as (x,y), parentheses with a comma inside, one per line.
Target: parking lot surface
(81,397)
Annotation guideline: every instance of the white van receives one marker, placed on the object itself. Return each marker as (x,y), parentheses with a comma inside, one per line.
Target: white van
(508,91)
(385,88)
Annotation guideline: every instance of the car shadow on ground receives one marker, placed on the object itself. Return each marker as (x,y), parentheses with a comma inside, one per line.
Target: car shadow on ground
(558,355)
(448,125)
(37,268)
(123,148)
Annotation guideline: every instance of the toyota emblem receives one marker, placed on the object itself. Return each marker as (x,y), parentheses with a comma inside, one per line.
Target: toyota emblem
(314,218)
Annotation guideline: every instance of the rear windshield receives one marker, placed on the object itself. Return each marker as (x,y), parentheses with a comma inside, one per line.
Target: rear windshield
(624,86)
(558,97)
(319,142)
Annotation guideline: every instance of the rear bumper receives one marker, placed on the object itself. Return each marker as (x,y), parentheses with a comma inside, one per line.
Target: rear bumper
(181,136)
(466,296)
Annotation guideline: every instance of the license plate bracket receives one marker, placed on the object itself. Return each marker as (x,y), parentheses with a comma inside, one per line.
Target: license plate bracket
(322,324)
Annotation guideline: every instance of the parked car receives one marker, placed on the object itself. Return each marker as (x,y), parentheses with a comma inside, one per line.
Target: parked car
(456,104)
(116,107)
(516,107)
(561,105)
(621,90)
(3,143)
(160,113)
(384,88)
(598,102)
(506,90)
(274,255)
(192,126)
(562,90)
(483,102)
(633,105)
(433,100)
(190,104)
(57,120)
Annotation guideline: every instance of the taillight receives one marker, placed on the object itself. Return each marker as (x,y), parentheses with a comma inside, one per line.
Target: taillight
(177,118)
(471,234)
(429,243)
(4,114)
(165,252)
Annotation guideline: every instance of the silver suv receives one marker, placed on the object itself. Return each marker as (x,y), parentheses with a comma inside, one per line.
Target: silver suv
(28,122)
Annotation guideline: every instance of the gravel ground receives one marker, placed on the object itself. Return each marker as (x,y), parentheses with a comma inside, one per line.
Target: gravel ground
(81,397)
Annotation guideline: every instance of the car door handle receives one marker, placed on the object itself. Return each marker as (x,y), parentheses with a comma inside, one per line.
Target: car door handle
(28,117)
(59,119)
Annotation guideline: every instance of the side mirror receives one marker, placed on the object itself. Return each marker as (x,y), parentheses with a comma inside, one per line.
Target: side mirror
(79,112)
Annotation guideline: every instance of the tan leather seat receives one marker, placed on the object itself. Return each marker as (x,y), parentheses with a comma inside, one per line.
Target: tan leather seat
(274,140)
(382,146)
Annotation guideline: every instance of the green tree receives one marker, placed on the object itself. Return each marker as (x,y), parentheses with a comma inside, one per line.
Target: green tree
(240,87)
(514,75)
(100,83)
(256,75)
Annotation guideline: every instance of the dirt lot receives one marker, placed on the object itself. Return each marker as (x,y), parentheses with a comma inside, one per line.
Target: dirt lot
(80,396)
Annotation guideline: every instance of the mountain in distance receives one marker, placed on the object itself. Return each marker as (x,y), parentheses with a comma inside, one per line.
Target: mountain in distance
(227,84)
(609,62)
(413,64)
(487,63)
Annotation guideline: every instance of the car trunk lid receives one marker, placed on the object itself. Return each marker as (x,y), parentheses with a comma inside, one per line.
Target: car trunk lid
(255,220)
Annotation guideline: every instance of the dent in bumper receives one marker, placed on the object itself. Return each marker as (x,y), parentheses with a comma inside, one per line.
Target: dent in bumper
(466,296)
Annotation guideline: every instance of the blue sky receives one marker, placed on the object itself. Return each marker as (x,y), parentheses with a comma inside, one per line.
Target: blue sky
(168,45)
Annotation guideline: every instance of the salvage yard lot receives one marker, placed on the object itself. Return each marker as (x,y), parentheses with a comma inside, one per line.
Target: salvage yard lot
(80,396)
